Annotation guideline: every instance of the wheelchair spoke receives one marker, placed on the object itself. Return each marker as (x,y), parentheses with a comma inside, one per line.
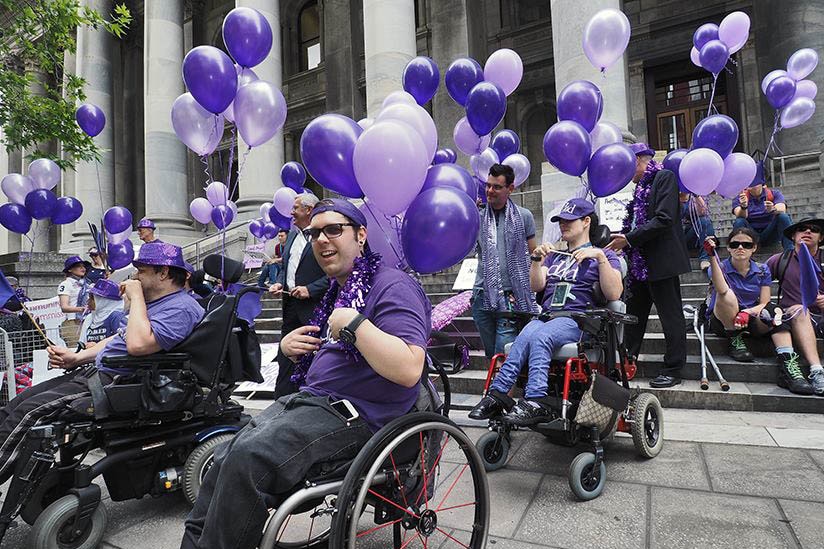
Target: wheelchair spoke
(283,528)
(398,480)
(454,482)
(450,537)
(392,503)
(423,473)
(460,505)
(380,527)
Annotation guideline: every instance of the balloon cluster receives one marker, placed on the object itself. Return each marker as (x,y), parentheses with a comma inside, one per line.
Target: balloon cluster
(714,44)
(789,93)
(277,214)
(117,222)
(31,197)
(503,148)
(216,207)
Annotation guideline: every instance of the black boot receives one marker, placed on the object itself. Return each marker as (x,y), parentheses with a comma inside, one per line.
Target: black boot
(493,404)
(790,375)
(737,348)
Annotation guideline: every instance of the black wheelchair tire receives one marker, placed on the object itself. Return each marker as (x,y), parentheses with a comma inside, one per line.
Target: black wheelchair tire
(647,425)
(579,470)
(198,463)
(493,458)
(46,529)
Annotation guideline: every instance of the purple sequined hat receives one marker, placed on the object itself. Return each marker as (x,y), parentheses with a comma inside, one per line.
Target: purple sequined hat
(160,253)
(146,223)
(343,207)
(574,208)
(73,260)
(642,149)
(106,288)
(189,267)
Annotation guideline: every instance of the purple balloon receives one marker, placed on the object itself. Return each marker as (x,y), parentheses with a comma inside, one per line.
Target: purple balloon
(244,76)
(442,157)
(16,187)
(610,169)
(485,107)
(450,175)
(15,218)
(481,163)
(211,78)
(68,210)
(247,35)
(439,229)
(718,132)
(453,156)
(505,142)
(270,230)
(90,118)
(701,170)
(199,129)
(327,147)
(714,56)
(605,133)
(703,34)
(222,216)
(567,146)
(384,237)
(40,203)
(293,175)
(280,220)
(260,111)
(769,78)
(467,141)
(420,78)
(504,68)
(606,36)
(581,102)
(256,227)
(461,76)
(780,91)
(117,219)
(201,210)
(120,255)
(264,210)
(117,238)
(418,118)
(672,161)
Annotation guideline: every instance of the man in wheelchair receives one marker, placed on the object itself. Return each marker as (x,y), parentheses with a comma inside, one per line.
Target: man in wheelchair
(161,315)
(358,366)
(568,280)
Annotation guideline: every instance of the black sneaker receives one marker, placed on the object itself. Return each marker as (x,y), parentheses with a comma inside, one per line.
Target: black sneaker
(790,375)
(738,349)
(488,407)
(527,412)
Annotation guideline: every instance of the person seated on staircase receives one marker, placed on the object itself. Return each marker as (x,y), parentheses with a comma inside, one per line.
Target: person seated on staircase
(764,210)
(694,215)
(739,299)
(568,281)
(805,326)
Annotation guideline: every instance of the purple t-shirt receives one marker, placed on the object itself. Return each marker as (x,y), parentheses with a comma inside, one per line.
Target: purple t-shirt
(747,289)
(757,214)
(791,287)
(581,277)
(397,305)
(173,317)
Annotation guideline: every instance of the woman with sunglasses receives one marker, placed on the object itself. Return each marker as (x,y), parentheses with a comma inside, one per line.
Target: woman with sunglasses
(740,293)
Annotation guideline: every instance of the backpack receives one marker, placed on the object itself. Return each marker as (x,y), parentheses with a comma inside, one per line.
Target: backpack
(784,262)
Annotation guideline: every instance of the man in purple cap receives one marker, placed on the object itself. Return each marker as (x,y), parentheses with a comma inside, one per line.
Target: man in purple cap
(763,210)
(145,230)
(358,364)
(161,315)
(653,241)
(73,292)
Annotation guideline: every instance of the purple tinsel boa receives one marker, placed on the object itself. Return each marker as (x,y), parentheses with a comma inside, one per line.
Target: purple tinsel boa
(352,295)
(637,216)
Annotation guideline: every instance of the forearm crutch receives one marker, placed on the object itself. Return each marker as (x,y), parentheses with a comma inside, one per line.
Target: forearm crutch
(705,353)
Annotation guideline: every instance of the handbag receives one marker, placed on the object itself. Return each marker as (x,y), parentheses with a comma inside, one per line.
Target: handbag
(601,404)
(165,391)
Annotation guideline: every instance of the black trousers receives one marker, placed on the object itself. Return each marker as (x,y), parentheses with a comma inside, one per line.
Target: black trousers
(291,321)
(666,294)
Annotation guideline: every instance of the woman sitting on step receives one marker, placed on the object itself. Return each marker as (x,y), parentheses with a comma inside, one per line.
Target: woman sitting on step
(739,298)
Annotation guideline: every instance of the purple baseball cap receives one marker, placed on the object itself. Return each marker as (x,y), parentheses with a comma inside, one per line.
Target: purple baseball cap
(574,208)
(343,207)
(106,288)
(146,223)
(642,149)
(160,254)
(73,260)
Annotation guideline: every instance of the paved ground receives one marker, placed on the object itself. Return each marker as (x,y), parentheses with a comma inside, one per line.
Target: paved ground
(735,479)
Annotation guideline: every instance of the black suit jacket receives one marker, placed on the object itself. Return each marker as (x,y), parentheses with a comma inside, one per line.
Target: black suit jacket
(661,239)
(308,274)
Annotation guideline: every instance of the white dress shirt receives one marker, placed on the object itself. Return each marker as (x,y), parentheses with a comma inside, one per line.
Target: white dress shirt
(295,253)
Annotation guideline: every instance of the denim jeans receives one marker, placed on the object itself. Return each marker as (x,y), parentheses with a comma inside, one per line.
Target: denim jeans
(696,241)
(260,466)
(534,346)
(772,232)
(495,332)
(268,274)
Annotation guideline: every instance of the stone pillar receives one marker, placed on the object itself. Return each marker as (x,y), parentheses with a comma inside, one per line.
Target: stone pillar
(67,183)
(95,49)
(4,170)
(341,58)
(389,44)
(261,171)
(164,154)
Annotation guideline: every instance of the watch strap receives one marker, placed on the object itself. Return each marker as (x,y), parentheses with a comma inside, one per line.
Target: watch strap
(354,323)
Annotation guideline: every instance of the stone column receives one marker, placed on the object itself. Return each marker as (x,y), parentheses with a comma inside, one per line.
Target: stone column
(389,44)
(261,171)
(165,155)
(95,49)
(4,170)
(67,183)
(341,57)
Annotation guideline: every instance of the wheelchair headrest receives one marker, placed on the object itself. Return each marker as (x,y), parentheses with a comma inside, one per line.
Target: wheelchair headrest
(600,236)
(223,268)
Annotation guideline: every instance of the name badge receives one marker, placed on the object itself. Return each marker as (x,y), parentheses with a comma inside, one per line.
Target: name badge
(561,294)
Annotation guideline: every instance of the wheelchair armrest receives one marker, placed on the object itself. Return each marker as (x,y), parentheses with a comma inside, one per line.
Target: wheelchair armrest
(156,358)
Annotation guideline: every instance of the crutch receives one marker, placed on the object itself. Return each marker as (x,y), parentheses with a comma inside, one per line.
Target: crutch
(698,328)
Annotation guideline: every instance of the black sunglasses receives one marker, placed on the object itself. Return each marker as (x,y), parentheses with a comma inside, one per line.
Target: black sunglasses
(733,244)
(333,230)
(815,229)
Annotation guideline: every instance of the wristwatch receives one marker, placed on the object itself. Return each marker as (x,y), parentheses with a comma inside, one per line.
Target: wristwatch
(347,333)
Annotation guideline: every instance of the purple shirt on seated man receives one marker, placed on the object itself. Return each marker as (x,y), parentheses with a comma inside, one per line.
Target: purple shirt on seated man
(581,277)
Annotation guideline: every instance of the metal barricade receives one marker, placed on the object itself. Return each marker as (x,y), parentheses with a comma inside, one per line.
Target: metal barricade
(9,387)
(17,360)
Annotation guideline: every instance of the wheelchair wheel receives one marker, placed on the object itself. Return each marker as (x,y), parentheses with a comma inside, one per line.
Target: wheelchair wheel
(493,449)
(585,483)
(647,425)
(198,464)
(53,529)
(308,527)
(425,483)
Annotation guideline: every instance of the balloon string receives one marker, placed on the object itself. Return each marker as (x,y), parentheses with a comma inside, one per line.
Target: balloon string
(400,256)
(240,169)
(31,253)
(205,162)
(231,163)
(712,93)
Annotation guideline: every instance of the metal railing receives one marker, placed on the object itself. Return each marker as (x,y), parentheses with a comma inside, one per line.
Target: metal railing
(781,161)
(9,385)
(236,232)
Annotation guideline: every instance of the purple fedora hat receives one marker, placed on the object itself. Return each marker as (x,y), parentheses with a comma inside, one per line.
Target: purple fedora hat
(642,149)
(146,223)
(159,254)
(106,288)
(73,260)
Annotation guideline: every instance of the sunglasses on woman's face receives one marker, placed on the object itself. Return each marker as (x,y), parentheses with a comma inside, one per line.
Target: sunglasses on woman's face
(332,230)
(733,244)
(815,229)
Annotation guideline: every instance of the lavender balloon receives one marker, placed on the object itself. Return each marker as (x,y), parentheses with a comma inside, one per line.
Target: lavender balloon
(416,117)
(567,146)
(68,210)
(199,129)
(714,56)
(769,78)
(606,36)
(120,255)
(797,112)
(117,238)
(504,68)
(461,76)
(695,57)
(780,91)
(467,141)
(244,76)
(384,238)
(605,133)
(366,123)
(264,210)
(672,162)
(805,88)
(211,78)
(481,163)
(90,118)
(398,97)
(327,147)
(40,203)
(293,175)
(247,35)
(704,34)
(201,210)
(15,218)
(217,193)
(450,175)
(520,165)
(16,187)
(420,78)
(718,132)
(117,219)
(222,216)
(233,207)
(734,30)
(44,174)
(802,63)
(260,111)
(701,171)
(610,169)
(505,142)
(485,107)
(581,101)
(256,227)
(284,200)
(739,171)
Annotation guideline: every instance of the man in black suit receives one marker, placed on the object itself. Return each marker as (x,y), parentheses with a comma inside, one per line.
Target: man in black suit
(301,284)
(657,254)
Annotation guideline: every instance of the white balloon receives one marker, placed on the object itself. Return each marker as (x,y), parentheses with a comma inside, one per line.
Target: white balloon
(520,165)
(44,173)
(606,36)
(605,133)
(417,117)
(797,112)
(802,63)
(284,200)
(734,30)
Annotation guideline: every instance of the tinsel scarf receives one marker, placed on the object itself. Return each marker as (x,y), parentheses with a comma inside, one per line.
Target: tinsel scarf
(637,216)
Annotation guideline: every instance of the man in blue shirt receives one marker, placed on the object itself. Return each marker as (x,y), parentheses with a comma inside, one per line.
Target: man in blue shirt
(763,210)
